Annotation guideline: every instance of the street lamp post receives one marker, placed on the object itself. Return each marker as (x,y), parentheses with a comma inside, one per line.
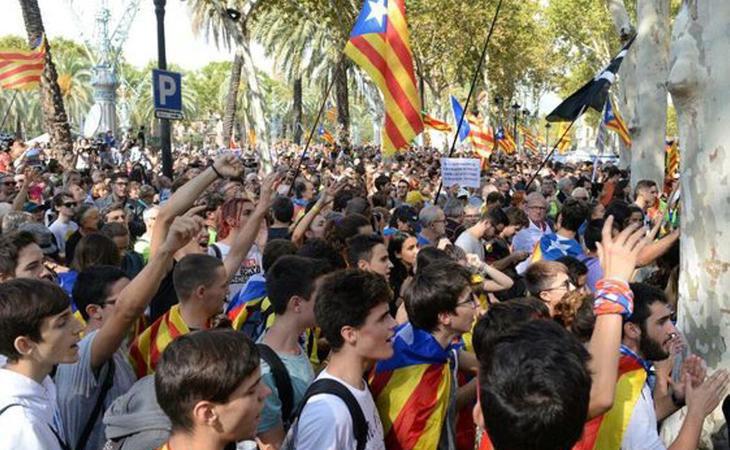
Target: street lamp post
(165,144)
(516,108)
(547,136)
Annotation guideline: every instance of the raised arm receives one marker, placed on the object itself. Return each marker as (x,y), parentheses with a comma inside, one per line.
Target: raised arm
(328,194)
(135,297)
(183,199)
(247,235)
(613,301)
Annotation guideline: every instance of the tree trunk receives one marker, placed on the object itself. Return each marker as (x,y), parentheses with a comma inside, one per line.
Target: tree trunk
(229,117)
(298,110)
(343,102)
(627,73)
(699,88)
(55,121)
(650,113)
(256,108)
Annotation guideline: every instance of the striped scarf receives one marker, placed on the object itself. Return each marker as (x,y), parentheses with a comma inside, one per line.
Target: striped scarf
(146,350)
(412,390)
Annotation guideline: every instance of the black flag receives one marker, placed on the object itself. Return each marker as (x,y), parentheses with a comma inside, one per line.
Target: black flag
(593,94)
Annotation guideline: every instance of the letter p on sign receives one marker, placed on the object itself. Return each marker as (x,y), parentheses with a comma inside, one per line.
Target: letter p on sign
(167,90)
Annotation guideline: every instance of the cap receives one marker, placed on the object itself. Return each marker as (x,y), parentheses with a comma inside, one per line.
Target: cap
(43,236)
(463,193)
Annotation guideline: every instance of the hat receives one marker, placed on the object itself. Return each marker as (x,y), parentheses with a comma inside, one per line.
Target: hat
(463,193)
(31,207)
(42,235)
(414,197)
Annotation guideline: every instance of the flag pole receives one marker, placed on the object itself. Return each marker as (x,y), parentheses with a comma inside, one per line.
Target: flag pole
(311,135)
(555,147)
(7,111)
(471,91)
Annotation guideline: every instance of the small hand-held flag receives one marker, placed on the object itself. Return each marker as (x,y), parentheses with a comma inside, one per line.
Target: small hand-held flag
(614,122)
(22,69)
(379,44)
(593,94)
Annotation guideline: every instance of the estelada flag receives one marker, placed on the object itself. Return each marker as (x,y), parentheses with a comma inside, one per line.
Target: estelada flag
(22,69)
(379,44)
(436,124)
(412,390)
(614,122)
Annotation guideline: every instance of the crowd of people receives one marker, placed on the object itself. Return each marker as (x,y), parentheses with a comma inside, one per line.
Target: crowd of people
(338,303)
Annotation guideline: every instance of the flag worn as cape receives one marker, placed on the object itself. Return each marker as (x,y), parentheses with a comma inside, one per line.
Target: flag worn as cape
(379,44)
(146,350)
(592,95)
(412,390)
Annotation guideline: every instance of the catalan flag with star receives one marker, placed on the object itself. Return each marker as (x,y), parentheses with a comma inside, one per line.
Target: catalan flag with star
(379,44)
(412,390)
(614,122)
(22,69)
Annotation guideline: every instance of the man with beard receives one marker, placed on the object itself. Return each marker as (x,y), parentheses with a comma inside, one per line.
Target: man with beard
(650,396)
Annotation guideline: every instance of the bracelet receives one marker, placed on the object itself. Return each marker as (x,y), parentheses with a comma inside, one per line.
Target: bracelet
(613,296)
(218,174)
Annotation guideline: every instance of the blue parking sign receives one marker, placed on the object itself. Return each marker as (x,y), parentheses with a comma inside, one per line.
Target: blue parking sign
(167,90)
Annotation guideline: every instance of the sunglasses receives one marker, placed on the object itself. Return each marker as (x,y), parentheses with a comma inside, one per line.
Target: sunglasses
(70,204)
(9,183)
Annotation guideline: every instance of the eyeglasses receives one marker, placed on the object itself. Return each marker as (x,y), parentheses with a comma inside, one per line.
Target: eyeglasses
(9,183)
(70,204)
(121,183)
(541,208)
(471,300)
(567,285)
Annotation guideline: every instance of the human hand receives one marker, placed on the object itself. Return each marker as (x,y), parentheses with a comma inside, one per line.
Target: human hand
(618,255)
(701,401)
(520,256)
(269,187)
(694,370)
(182,230)
(228,166)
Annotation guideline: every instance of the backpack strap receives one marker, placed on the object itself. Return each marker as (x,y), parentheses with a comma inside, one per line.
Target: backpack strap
(332,387)
(105,386)
(217,251)
(282,380)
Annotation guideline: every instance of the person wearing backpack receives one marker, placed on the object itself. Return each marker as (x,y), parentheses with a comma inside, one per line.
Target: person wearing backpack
(285,366)
(338,411)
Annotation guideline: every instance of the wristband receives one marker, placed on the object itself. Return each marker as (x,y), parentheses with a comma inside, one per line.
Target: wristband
(218,174)
(613,296)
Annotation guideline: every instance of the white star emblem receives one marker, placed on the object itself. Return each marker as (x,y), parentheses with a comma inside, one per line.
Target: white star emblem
(378,11)
(556,245)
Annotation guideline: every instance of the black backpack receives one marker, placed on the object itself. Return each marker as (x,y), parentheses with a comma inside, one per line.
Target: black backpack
(332,387)
(282,381)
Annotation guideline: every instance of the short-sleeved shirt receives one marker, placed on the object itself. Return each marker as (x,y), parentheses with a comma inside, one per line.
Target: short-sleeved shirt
(641,433)
(301,375)
(79,388)
(470,244)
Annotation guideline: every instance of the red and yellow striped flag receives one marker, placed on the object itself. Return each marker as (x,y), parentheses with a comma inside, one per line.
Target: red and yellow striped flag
(565,144)
(146,350)
(436,124)
(412,391)
(481,137)
(614,122)
(528,139)
(672,159)
(22,69)
(379,44)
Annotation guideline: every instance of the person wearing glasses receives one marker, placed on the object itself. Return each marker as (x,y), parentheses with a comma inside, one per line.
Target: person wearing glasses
(548,281)
(119,194)
(64,226)
(536,209)
(7,187)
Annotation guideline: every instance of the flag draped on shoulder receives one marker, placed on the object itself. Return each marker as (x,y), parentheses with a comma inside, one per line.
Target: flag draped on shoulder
(436,124)
(593,94)
(614,122)
(379,44)
(146,350)
(412,390)
(22,69)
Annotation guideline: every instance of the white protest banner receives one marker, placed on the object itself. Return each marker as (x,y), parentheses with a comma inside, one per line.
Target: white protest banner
(462,171)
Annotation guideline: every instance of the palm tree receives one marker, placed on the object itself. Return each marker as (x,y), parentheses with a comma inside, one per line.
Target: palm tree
(74,80)
(54,113)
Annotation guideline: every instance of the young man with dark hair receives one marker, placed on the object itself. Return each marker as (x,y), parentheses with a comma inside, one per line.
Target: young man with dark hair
(645,194)
(564,241)
(37,331)
(282,211)
(351,308)
(421,413)
(648,336)
(63,227)
(290,286)
(201,284)
(471,239)
(21,257)
(110,304)
(368,253)
(209,385)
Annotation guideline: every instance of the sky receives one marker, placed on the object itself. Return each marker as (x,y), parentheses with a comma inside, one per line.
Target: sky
(183,47)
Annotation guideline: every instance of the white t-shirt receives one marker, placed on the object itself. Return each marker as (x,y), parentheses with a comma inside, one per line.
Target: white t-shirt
(641,433)
(251,265)
(325,422)
(62,231)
